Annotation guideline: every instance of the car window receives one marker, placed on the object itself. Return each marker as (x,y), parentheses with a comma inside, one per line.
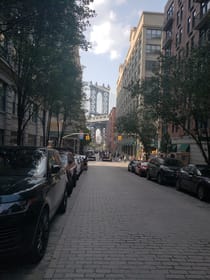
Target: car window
(172,162)
(22,162)
(204,171)
(64,158)
(54,158)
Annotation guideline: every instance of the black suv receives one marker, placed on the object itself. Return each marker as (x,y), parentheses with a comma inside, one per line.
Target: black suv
(32,190)
(163,170)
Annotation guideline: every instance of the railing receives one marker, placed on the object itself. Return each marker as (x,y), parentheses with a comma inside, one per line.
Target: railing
(168,22)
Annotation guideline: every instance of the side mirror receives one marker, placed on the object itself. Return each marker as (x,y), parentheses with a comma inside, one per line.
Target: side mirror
(55,169)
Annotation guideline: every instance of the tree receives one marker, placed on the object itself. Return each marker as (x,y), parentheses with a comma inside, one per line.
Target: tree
(37,34)
(179,95)
(140,125)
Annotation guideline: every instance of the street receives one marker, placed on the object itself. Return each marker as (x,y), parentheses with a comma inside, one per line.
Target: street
(122,226)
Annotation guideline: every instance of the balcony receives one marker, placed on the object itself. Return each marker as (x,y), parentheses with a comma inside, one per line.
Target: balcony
(167,40)
(168,22)
(202,20)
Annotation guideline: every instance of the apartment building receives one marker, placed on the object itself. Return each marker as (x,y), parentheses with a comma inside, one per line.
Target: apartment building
(139,64)
(186,26)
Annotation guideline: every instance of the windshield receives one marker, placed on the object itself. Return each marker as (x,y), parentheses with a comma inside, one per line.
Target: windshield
(173,162)
(204,171)
(22,162)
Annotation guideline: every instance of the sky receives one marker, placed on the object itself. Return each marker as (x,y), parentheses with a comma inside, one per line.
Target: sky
(109,35)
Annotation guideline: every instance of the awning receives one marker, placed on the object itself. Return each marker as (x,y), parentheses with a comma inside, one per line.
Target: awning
(183,147)
(174,148)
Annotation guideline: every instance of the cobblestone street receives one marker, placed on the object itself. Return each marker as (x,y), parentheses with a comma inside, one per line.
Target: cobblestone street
(121,226)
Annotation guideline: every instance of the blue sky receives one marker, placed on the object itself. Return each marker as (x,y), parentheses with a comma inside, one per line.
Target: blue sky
(109,34)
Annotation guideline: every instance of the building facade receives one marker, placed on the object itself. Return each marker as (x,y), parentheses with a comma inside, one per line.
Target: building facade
(140,63)
(8,112)
(111,137)
(186,26)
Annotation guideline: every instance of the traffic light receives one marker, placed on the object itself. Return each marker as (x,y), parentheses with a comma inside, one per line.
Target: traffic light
(119,137)
(87,137)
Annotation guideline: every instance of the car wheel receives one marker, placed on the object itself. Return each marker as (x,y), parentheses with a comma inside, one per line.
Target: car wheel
(201,193)
(74,181)
(148,175)
(63,205)
(160,179)
(41,238)
(178,185)
(69,187)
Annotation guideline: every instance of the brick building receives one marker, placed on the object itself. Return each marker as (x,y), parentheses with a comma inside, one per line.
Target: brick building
(186,26)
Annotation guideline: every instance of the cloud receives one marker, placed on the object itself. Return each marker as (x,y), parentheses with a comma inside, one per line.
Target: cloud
(109,34)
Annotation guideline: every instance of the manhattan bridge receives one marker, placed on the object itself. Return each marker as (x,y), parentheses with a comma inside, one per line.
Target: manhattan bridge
(98,110)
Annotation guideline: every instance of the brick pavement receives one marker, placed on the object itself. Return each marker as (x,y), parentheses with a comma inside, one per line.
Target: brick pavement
(108,236)
(121,226)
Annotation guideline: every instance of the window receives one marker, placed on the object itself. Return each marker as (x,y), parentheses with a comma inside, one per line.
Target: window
(3,96)
(14,105)
(205,7)
(152,49)
(154,34)
(177,40)
(192,42)
(35,113)
(170,11)
(180,35)
(168,52)
(188,25)
(1,137)
(13,138)
(178,18)
(193,18)
(31,140)
(181,14)
(187,49)
(190,4)
(152,65)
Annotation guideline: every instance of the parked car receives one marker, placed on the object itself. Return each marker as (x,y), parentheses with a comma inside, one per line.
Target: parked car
(32,190)
(132,164)
(163,170)
(91,155)
(78,161)
(195,179)
(141,168)
(84,162)
(106,156)
(68,161)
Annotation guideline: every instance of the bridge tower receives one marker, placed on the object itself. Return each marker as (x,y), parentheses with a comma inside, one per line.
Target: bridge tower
(94,91)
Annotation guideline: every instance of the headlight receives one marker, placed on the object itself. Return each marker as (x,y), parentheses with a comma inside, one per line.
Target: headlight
(14,207)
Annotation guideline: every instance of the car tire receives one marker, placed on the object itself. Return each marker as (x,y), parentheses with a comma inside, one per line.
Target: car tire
(160,179)
(74,181)
(41,238)
(148,175)
(63,205)
(201,193)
